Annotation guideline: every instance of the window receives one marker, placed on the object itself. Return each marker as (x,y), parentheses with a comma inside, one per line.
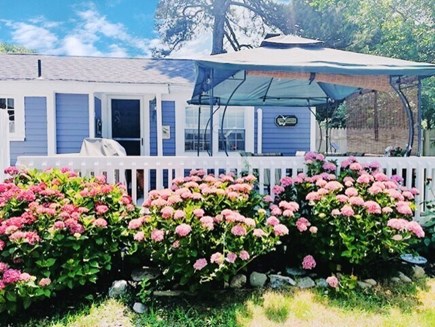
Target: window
(233,138)
(9,105)
(14,106)
(191,141)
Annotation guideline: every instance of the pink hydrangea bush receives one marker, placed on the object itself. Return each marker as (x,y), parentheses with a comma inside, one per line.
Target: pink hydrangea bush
(358,218)
(57,230)
(206,228)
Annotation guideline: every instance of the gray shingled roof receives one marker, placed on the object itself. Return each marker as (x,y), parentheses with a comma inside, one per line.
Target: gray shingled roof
(97,69)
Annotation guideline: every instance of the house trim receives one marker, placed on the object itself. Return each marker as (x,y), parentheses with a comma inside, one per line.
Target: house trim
(51,123)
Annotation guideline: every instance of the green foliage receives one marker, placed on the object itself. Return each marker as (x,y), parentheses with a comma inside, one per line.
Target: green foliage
(400,29)
(205,229)
(12,48)
(332,117)
(59,230)
(427,246)
(145,290)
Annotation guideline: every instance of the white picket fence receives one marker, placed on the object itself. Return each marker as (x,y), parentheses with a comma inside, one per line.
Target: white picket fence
(158,172)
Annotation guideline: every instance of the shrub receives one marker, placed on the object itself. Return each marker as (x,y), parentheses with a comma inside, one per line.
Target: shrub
(57,231)
(427,246)
(206,228)
(357,218)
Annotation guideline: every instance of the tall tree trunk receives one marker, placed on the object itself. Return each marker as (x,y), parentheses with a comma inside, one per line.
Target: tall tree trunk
(220,8)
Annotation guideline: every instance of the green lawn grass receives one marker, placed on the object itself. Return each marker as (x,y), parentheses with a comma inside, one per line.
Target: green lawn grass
(403,305)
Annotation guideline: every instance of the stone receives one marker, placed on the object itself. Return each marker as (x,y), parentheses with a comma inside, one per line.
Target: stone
(145,273)
(139,307)
(321,283)
(404,278)
(238,281)
(306,282)
(364,285)
(257,279)
(295,272)
(279,281)
(370,281)
(118,288)
(395,279)
(418,272)
(168,293)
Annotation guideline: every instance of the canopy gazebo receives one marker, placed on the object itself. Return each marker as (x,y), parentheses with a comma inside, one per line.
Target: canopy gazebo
(292,71)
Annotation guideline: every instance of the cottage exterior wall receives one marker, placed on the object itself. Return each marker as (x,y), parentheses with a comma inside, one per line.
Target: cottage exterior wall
(35,142)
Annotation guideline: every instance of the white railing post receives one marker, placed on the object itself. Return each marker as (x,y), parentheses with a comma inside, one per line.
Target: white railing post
(5,156)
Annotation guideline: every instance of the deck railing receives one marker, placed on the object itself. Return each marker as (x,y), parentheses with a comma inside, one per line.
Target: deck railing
(158,172)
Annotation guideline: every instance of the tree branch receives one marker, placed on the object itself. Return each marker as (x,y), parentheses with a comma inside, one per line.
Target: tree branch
(236,45)
(203,7)
(233,45)
(242,4)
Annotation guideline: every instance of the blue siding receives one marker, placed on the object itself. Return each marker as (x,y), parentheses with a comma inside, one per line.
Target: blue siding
(35,143)
(168,118)
(72,121)
(168,113)
(286,140)
(98,130)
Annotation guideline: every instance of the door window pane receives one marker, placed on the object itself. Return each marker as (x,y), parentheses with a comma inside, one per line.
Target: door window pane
(125,118)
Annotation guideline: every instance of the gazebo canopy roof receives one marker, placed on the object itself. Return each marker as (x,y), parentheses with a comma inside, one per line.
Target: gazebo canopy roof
(292,71)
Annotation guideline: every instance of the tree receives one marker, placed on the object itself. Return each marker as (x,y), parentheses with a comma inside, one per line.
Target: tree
(394,28)
(178,21)
(326,24)
(12,48)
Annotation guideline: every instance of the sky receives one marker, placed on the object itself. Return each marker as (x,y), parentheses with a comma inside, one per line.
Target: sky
(110,28)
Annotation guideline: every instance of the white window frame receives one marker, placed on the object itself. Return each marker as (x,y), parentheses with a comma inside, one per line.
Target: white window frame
(249,115)
(106,117)
(19,133)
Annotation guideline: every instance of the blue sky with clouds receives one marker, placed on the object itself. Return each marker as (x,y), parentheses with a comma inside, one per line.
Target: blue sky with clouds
(118,28)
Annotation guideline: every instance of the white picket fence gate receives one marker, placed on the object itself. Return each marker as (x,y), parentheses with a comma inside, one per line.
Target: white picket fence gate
(158,172)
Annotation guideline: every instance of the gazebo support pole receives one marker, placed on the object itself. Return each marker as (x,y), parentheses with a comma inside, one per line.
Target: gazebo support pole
(198,142)
(420,116)
(407,108)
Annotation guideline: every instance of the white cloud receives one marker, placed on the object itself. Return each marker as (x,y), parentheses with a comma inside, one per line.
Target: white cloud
(92,35)
(92,26)
(117,51)
(32,36)
(75,46)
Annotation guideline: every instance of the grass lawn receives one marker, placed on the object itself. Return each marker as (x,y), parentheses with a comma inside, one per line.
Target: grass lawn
(405,305)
